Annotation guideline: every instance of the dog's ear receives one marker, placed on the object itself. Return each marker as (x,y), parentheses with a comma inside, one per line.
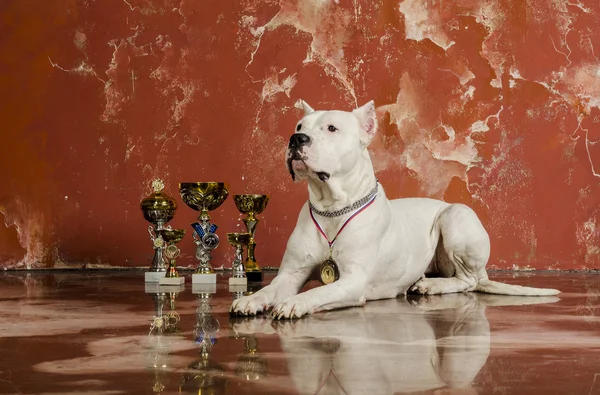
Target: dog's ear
(307,109)
(367,119)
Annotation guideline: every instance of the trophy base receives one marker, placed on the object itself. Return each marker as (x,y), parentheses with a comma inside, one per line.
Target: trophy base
(204,288)
(238,281)
(172,281)
(208,278)
(254,277)
(153,277)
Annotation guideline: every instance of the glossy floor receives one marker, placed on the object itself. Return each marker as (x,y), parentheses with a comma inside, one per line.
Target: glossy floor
(108,333)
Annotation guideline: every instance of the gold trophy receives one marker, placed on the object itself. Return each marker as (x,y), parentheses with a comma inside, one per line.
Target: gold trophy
(204,197)
(251,205)
(158,209)
(172,237)
(239,241)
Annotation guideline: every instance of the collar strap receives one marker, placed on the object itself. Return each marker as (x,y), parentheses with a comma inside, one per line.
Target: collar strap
(348,209)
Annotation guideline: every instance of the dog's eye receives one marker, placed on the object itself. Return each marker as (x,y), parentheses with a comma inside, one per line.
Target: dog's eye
(331,128)
(298,127)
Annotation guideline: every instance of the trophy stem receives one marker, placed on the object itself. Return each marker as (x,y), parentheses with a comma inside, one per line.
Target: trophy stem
(158,263)
(250,264)
(238,266)
(172,270)
(203,248)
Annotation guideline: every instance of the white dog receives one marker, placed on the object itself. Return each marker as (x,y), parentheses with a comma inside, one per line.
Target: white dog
(383,248)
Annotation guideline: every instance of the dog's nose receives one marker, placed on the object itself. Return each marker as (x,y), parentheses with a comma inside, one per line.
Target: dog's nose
(298,140)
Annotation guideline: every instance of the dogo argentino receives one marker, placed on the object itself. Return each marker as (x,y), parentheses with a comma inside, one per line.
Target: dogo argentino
(364,246)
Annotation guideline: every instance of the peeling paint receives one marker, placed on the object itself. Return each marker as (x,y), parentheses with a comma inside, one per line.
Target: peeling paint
(490,104)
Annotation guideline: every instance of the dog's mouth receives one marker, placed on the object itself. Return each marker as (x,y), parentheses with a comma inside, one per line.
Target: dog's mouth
(296,163)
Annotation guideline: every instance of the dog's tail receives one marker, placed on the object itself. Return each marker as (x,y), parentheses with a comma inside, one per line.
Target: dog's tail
(488,286)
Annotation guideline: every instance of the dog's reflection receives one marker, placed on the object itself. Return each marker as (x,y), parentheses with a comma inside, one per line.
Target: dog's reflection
(434,345)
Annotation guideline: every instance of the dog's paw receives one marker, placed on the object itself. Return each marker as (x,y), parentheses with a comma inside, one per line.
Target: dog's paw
(426,287)
(294,307)
(250,305)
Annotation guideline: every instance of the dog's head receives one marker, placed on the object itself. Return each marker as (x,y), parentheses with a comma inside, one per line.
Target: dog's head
(329,143)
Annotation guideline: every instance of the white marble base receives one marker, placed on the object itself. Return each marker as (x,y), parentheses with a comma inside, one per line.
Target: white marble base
(210,278)
(204,288)
(172,281)
(238,281)
(153,277)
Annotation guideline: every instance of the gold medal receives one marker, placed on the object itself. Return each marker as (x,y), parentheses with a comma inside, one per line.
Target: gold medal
(329,272)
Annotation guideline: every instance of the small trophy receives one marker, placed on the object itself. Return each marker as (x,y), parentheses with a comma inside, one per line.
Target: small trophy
(204,197)
(251,205)
(171,238)
(158,209)
(239,241)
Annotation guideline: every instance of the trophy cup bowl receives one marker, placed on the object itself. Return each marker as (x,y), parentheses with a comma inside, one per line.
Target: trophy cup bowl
(238,239)
(251,205)
(172,236)
(158,208)
(203,196)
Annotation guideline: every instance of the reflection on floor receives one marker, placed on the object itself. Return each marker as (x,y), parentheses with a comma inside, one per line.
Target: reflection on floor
(109,333)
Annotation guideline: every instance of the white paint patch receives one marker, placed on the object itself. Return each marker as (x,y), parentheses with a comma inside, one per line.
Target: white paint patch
(420,24)
(272,86)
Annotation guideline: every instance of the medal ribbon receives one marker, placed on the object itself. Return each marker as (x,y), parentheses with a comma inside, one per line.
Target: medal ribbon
(332,242)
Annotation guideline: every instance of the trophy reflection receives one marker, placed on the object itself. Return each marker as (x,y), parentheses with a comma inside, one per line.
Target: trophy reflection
(204,197)
(158,209)
(162,324)
(204,375)
(251,365)
(251,205)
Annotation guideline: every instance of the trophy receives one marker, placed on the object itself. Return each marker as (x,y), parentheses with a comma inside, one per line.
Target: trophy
(171,238)
(204,197)
(158,209)
(239,241)
(251,205)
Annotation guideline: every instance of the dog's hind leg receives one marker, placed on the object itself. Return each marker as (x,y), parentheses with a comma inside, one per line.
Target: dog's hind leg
(462,256)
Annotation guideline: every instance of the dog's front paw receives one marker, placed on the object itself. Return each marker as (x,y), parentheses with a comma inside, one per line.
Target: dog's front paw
(293,307)
(250,305)
(426,287)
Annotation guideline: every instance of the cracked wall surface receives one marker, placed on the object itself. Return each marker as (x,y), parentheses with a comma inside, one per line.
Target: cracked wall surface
(488,103)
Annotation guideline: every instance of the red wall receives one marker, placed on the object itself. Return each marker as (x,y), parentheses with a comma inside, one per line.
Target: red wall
(493,104)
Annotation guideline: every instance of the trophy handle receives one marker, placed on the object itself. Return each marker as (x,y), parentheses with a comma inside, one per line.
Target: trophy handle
(151,232)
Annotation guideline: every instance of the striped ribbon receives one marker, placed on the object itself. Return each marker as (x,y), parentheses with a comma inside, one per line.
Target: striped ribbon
(358,211)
